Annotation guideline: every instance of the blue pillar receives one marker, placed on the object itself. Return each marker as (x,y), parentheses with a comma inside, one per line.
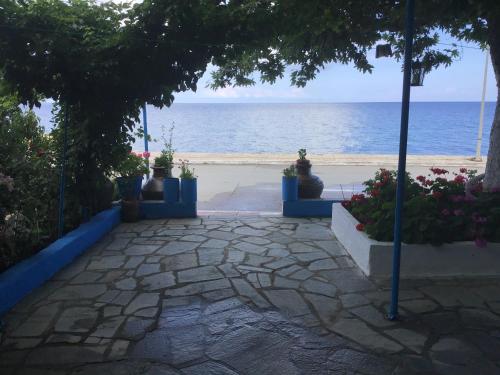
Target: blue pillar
(145,126)
(403,140)
(62,178)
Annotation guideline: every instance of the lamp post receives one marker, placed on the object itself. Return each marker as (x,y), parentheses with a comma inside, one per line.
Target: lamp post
(145,126)
(481,113)
(403,141)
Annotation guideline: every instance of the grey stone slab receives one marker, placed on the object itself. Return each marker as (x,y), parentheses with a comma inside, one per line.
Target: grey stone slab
(372,316)
(353,300)
(302,274)
(228,270)
(454,351)
(289,270)
(215,243)
(288,301)
(278,253)
(359,332)
(177,247)
(193,238)
(332,247)
(133,262)
(104,263)
(250,248)
(235,256)
(412,340)
(198,288)
(62,355)
(313,232)
(419,306)
(158,281)
(348,361)
(109,327)
(252,351)
(327,308)
(142,301)
(319,287)
(76,319)
(210,256)
(247,231)
(136,327)
(199,274)
(220,294)
(245,289)
(118,244)
(256,260)
(300,247)
(309,257)
(141,249)
(280,263)
(78,292)
(180,262)
(256,240)
(126,284)
(147,269)
(221,235)
(208,368)
(282,282)
(86,277)
(264,280)
(245,268)
(348,280)
(323,264)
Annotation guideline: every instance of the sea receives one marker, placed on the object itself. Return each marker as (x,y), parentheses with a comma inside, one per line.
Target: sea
(435,128)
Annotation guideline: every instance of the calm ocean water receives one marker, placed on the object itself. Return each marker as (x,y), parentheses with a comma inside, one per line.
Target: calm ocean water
(444,128)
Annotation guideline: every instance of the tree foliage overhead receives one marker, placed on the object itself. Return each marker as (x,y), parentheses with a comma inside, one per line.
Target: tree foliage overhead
(101,62)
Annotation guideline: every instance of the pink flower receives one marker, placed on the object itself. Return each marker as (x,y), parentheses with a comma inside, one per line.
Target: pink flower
(458,212)
(133,153)
(146,154)
(478,219)
(480,242)
(439,171)
(445,212)
(456,198)
(138,155)
(460,179)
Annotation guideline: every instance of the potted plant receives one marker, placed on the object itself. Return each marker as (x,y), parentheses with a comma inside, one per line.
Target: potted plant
(130,173)
(188,183)
(290,184)
(310,186)
(162,168)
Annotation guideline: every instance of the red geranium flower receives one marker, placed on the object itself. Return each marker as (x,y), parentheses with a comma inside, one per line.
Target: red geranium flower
(460,179)
(463,170)
(421,179)
(146,154)
(437,194)
(439,171)
(360,227)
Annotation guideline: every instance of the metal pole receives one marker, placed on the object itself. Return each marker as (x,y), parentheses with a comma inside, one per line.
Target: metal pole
(145,126)
(403,140)
(62,178)
(481,114)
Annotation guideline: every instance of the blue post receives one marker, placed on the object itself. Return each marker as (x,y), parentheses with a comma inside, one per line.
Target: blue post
(145,126)
(62,179)
(403,140)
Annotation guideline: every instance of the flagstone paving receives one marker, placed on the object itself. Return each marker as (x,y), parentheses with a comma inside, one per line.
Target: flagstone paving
(244,295)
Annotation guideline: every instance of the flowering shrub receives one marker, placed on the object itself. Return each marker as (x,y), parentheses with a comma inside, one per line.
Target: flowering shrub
(437,208)
(133,165)
(186,171)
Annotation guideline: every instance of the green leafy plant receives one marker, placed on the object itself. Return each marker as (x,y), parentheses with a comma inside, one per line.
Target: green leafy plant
(132,165)
(186,171)
(166,158)
(290,171)
(302,154)
(436,209)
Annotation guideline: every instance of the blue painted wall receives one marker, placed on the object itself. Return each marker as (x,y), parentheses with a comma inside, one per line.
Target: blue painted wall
(21,279)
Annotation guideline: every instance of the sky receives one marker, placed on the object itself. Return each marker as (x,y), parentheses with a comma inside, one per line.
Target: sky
(462,81)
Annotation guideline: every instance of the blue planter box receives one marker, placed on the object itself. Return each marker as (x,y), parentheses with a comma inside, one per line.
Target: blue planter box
(21,279)
(308,208)
(171,189)
(129,187)
(289,188)
(189,193)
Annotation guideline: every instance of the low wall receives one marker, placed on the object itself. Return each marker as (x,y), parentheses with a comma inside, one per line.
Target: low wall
(457,259)
(19,280)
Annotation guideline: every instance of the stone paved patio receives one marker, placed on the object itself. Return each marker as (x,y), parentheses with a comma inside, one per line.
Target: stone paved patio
(255,295)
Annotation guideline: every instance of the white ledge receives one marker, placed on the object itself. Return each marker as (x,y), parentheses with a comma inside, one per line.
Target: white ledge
(457,259)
